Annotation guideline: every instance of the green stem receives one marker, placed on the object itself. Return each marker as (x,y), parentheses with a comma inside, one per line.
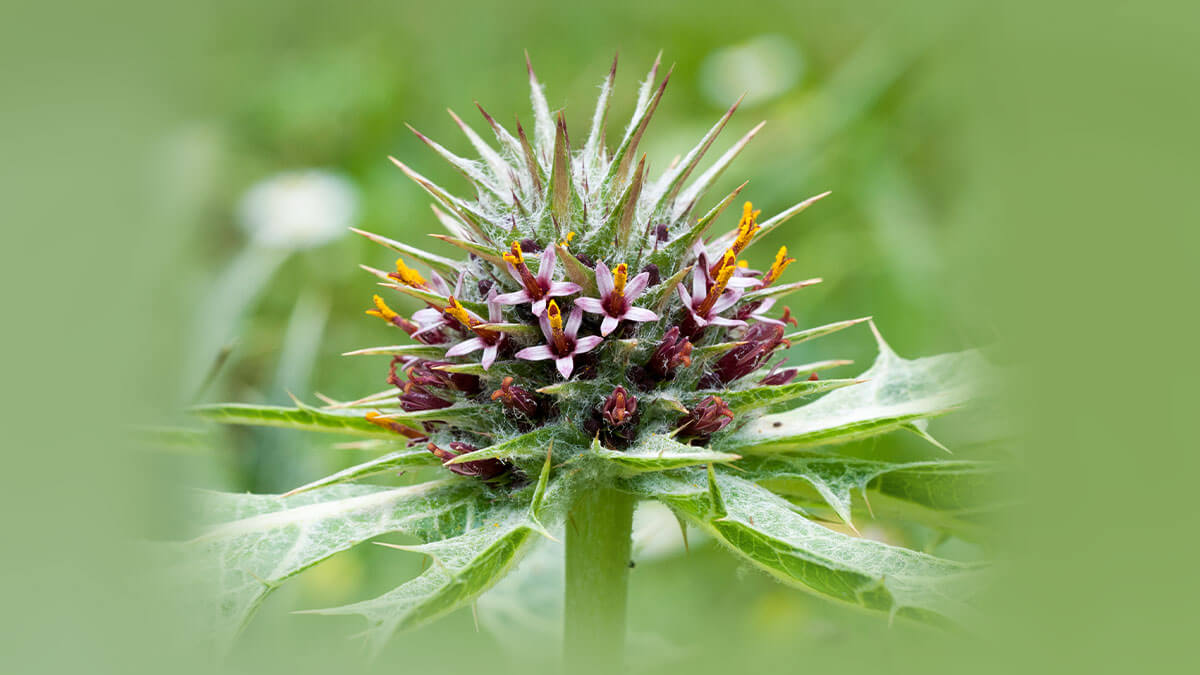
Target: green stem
(598,532)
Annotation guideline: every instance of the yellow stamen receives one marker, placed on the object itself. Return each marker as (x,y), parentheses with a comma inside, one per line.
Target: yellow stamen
(567,242)
(558,337)
(555,317)
(382,310)
(743,264)
(515,257)
(724,273)
(391,425)
(746,229)
(407,275)
(619,276)
(777,267)
(456,310)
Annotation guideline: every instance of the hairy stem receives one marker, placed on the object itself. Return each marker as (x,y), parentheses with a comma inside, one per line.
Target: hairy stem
(598,532)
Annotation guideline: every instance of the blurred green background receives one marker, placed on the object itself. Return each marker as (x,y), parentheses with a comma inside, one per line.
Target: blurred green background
(1002,177)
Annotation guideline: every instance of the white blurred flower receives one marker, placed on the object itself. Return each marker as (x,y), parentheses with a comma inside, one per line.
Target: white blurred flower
(299,209)
(763,67)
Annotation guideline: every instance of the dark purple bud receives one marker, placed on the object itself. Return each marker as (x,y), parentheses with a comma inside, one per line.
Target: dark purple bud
(672,352)
(620,408)
(615,421)
(487,470)
(484,286)
(427,374)
(777,377)
(707,418)
(416,398)
(655,275)
(531,246)
(747,309)
(661,233)
(760,341)
(585,259)
(517,398)
(414,393)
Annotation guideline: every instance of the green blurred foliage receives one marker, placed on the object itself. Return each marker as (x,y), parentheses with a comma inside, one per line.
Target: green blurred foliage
(979,158)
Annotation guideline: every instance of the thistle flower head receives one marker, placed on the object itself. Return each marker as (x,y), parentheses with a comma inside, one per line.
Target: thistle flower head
(598,331)
(581,261)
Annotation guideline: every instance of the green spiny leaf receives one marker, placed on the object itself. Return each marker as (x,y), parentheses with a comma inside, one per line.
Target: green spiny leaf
(304,419)
(687,200)
(462,568)
(530,445)
(770,396)
(259,541)
(660,453)
(673,179)
(445,266)
(767,532)
(951,495)
(425,351)
(402,459)
(896,392)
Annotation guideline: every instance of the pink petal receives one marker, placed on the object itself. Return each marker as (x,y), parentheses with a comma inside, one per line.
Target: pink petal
(544,322)
(512,272)
(604,280)
(766,305)
(489,355)
(426,315)
(722,321)
(513,298)
(586,344)
(683,295)
(737,281)
(573,321)
(466,347)
(439,284)
(636,285)
(640,314)
(495,314)
(565,365)
(592,305)
(560,288)
(539,308)
(726,301)
(536,353)
(546,266)
(699,283)
(608,325)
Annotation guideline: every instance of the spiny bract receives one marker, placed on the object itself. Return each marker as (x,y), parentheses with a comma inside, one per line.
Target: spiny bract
(595,337)
(589,297)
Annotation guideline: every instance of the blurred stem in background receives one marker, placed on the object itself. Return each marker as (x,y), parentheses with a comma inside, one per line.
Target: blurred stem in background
(215,324)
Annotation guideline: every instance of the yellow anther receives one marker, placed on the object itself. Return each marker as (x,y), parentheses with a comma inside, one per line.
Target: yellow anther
(724,272)
(619,276)
(515,256)
(728,265)
(743,264)
(555,317)
(392,425)
(382,310)
(567,242)
(746,229)
(777,267)
(456,310)
(407,275)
